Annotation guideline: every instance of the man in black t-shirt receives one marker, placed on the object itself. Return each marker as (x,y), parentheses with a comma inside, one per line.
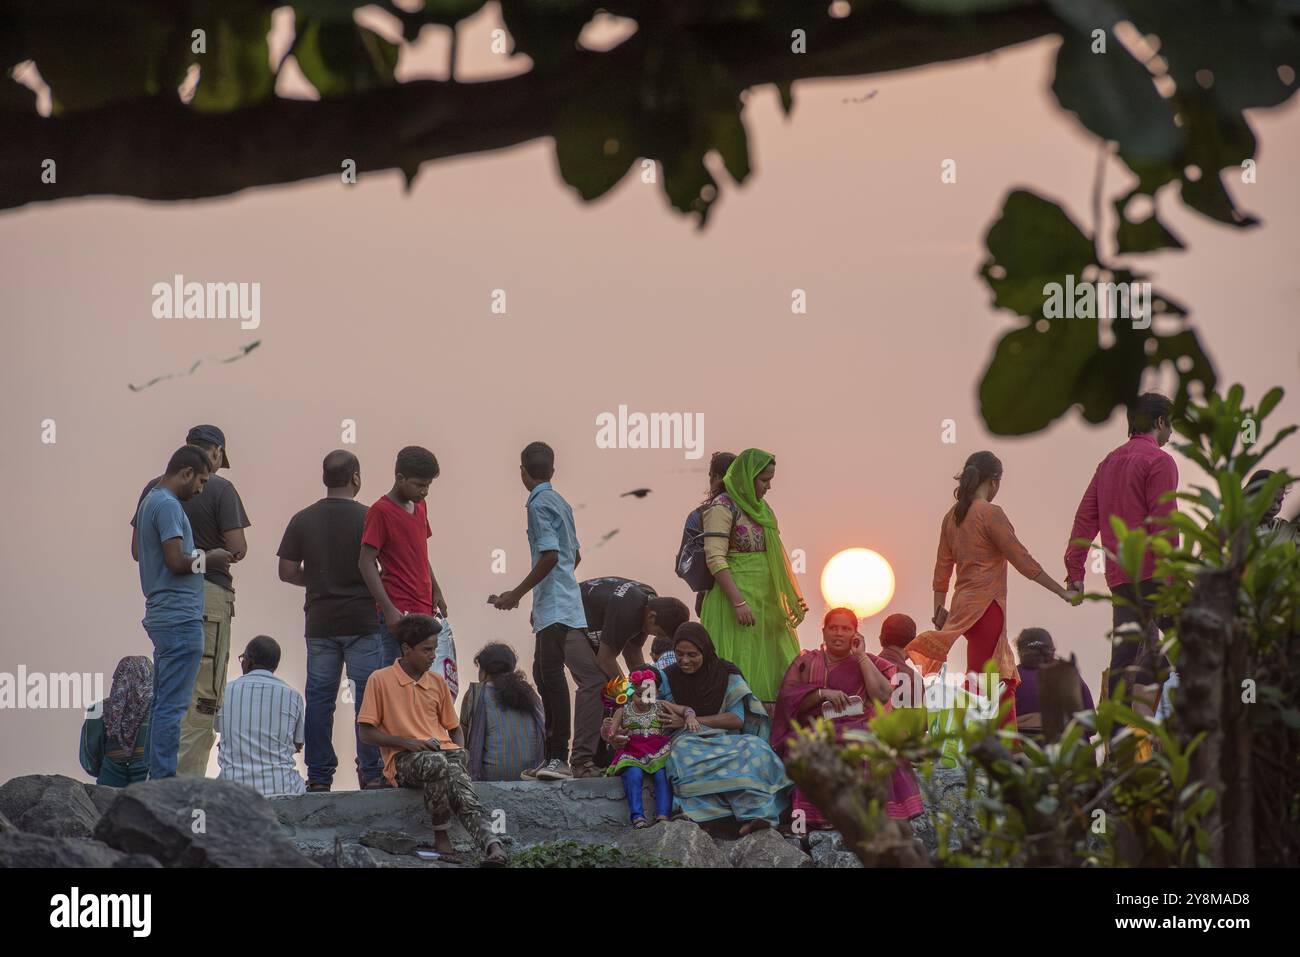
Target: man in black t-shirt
(218,519)
(321,551)
(621,613)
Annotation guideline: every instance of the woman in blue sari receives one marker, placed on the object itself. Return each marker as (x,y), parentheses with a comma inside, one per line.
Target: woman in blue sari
(721,764)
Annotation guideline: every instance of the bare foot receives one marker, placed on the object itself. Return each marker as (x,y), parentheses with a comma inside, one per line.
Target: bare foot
(496,856)
(758,824)
(442,843)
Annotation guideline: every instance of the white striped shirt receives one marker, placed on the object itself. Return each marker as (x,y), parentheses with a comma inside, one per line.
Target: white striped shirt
(261,723)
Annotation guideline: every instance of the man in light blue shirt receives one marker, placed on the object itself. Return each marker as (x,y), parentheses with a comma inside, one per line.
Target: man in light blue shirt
(171,577)
(558,624)
(262,724)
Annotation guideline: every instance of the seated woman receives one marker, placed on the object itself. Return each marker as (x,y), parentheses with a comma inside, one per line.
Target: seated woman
(839,670)
(1037,651)
(501,716)
(720,765)
(115,734)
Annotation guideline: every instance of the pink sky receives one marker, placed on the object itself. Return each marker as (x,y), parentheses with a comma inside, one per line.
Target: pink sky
(375,307)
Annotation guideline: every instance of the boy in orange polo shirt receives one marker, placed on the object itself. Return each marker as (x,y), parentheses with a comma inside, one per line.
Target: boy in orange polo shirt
(410,715)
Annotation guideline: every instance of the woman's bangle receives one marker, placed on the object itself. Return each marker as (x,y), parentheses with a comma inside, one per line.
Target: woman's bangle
(690,712)
(739,603)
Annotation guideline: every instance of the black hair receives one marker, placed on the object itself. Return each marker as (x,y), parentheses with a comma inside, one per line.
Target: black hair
(1148,407)
(263,652)
(416,462)
(1258,479)
(538,460)
(1035,648)
(661,645)
(415,629)
(188,457)
(513,691)
(338,468)
(718,465)
(980,467)
(670,613)
(841,611)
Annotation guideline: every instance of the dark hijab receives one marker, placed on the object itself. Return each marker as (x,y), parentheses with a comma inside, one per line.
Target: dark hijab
(129,701)
(706,689)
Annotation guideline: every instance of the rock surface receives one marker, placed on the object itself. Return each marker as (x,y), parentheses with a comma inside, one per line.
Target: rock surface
(18,849)
(766,848)
(49,804)
(682,841)
(829,849)
(198,822)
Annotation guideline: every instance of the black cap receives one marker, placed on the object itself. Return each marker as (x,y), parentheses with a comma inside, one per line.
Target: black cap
(212,435)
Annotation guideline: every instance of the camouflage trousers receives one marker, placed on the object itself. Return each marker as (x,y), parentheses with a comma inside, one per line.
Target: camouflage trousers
(447,790)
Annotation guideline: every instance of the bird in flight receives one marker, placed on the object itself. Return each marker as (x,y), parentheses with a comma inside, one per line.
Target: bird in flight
(638,492)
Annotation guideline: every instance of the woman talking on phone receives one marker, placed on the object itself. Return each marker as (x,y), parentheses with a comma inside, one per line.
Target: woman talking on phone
(842,681)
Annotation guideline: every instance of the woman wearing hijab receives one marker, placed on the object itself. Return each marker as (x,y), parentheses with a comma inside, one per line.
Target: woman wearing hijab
(720,765)
(839,670)
(501,717)
(115,734)
(755,604)
(976,537)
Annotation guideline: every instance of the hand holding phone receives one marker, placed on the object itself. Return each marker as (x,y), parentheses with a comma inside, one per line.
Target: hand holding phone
(854,707)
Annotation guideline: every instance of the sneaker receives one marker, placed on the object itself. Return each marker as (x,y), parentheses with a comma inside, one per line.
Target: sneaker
(530,774)
(588,770)
(313,786)
(554,770)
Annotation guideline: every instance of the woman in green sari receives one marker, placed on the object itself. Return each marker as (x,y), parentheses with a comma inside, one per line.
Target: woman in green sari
(755,604)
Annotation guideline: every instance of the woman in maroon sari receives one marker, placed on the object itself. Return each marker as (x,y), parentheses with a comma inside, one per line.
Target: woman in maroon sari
(837,671)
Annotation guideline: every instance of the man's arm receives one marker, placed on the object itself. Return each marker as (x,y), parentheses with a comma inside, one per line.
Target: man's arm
(369,734)
(1086,526)
(292,573)
(439,602)
(368,565)
(545,562)
(1162,480)
(135,548)
(236,543)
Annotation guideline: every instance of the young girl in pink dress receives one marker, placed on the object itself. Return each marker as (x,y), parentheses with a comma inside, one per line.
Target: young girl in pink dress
(637,729)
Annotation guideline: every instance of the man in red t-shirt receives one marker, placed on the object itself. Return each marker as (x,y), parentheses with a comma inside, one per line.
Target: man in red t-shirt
(1131,482)
(395,535)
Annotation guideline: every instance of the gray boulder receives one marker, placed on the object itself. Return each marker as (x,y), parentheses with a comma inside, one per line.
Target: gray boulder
(946,791)
(682,841)
(766,848)
(829,849)
(50,804)
(337,854)
(198,822)
(390,841)
(6,825)
(18,849)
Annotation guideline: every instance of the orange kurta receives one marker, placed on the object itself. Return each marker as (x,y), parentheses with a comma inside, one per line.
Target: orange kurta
(980,548)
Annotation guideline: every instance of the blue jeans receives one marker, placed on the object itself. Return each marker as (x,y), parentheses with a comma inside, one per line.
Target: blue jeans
(390,650)
(326,659)
(177,654)
(634,778)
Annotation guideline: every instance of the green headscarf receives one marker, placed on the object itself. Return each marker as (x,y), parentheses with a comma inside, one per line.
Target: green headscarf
(739,482)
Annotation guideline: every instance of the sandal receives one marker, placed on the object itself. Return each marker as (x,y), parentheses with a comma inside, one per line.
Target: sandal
(661,818)
(640,823)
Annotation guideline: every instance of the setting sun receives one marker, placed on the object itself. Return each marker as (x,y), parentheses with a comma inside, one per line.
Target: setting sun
(860,579)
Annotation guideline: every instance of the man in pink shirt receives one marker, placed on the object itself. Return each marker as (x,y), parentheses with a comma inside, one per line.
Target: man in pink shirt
(1131,482)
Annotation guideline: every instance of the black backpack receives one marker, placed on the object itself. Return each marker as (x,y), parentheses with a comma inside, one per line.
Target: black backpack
(691,566)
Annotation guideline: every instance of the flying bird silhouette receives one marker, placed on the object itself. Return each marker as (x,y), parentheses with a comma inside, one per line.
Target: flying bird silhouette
(638,492)
(244,350)
(606,537)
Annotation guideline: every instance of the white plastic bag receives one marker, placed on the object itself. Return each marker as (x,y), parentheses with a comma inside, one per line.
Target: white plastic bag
(444,663)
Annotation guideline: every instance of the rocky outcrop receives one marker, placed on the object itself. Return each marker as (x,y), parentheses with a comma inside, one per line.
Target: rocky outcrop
(49,804)
(19,849)
(766,848)
(198,822)
(682,841)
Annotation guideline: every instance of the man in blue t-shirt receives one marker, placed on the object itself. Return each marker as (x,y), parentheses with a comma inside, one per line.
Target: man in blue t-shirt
(171,577)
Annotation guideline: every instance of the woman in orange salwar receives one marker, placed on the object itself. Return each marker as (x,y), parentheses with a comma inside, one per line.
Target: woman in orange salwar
(977,538)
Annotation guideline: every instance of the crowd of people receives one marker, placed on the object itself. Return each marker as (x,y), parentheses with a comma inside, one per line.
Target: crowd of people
(705,719)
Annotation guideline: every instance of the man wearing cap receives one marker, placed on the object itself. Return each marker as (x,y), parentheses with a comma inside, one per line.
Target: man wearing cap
(218,519)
